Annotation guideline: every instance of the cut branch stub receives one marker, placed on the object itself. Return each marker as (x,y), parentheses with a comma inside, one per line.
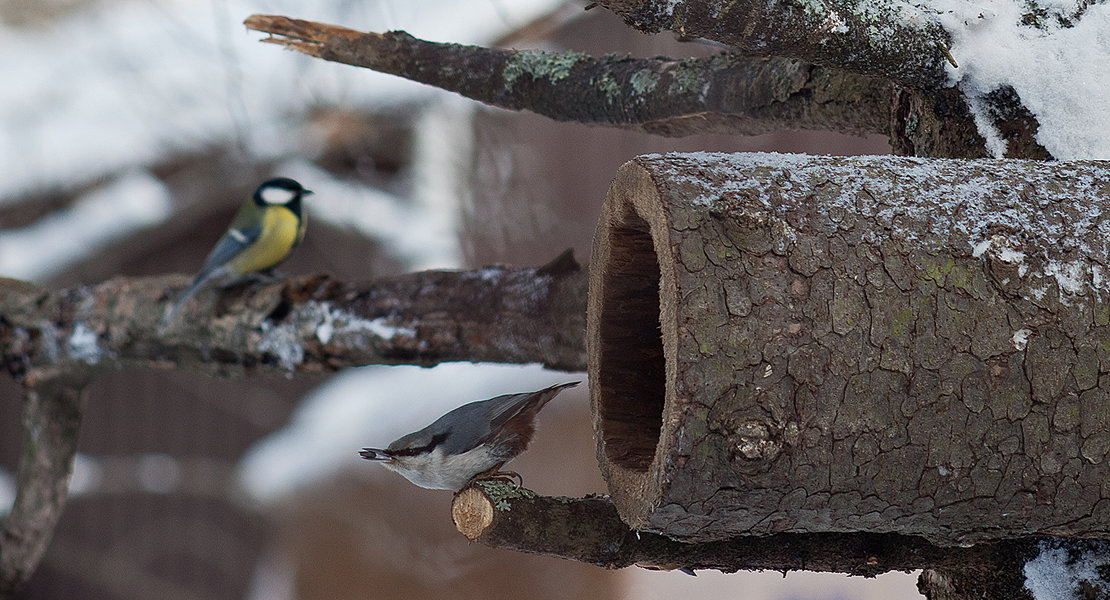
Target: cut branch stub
(806,344)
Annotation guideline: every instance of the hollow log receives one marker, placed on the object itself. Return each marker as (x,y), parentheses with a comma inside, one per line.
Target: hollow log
(873,344)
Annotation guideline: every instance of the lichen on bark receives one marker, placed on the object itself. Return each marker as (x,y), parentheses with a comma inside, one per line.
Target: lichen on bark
(891,345)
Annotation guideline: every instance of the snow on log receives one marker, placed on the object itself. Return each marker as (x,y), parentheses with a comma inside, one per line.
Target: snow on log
(871,344)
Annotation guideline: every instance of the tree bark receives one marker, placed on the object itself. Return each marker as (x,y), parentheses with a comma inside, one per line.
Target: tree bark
(806,344)
(307,324)
(727,93)
(56,341)
(939,123)
(898,42)
(589,530)
(51,422)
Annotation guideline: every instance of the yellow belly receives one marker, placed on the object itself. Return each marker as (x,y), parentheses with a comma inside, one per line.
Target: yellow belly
(280,233)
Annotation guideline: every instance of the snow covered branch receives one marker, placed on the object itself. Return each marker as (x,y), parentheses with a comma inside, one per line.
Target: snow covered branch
(726,93)
(307,324)
(55,341)
(881,38)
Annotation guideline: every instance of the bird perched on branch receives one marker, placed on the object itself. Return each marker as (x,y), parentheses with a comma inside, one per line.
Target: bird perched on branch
(471,442)
(268,226)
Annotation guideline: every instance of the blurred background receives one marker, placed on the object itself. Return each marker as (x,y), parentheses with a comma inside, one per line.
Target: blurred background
(130,130)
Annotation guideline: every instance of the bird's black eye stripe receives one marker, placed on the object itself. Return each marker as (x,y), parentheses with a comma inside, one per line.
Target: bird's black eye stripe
(436,440)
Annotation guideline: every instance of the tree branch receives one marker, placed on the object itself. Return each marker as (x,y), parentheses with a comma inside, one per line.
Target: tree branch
(307,324)
(589,530)
(51,421)
(723,93)
(939,123)
(890,40)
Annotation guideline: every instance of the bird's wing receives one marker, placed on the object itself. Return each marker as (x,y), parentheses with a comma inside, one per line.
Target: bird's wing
(504,408)
(476,423)
(233,241)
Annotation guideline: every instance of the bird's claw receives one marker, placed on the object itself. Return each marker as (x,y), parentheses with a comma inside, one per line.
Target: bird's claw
(508,476)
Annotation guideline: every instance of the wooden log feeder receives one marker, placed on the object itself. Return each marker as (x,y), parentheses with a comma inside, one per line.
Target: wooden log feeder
(874,344)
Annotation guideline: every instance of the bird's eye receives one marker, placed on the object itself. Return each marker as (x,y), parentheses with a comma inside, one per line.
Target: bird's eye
(414,450)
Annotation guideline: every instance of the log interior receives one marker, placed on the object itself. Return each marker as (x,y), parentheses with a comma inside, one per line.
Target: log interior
(632,377)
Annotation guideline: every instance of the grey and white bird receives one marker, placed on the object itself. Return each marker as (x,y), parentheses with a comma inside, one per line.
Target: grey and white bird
(470,442)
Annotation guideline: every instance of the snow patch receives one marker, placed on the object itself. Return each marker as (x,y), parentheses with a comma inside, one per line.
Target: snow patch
(331,322)
(1070,276)
(1059,66)
(972,204)
(283,342)
(84,345)
(1010,255)
(379,328)
(980,248)
(134,201)
(327,323)
(1054,575)
(1005,249)
(126,83)
(1021,339)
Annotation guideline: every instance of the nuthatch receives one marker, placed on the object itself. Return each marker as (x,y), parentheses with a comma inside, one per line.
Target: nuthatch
(471,442)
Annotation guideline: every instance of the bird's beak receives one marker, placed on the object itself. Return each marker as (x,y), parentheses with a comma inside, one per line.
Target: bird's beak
(307,192)
(373,454)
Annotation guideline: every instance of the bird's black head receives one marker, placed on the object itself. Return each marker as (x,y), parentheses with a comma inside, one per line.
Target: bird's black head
(281,191)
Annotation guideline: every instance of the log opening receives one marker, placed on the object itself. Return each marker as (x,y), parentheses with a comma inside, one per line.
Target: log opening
(630,333)
(631,349)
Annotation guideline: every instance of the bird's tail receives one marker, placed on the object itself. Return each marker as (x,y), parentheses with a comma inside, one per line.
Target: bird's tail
(551,392)
(531,404)
(193,288)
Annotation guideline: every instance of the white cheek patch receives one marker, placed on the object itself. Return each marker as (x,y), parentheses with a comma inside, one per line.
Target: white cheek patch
(276,195)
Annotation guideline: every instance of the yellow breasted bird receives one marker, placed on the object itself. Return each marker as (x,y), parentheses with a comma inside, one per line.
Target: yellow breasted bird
(267,228)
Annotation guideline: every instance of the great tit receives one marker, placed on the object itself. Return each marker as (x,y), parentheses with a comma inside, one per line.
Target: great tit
(471,442)
(267,228)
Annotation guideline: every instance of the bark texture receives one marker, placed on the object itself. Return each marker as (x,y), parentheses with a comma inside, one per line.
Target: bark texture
(726,93)
(308,324)
(589,530)
(939,123)
(895,41)
(51,422)
(54,341)
(804,344)
(880,89)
